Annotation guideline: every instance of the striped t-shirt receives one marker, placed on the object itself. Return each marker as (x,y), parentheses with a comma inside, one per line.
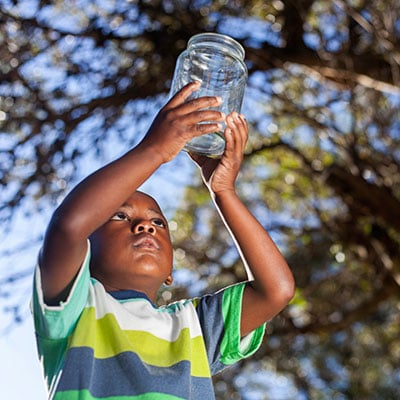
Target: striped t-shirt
(120,346)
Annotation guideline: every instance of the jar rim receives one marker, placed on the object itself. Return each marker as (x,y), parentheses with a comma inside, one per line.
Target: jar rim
(218,38)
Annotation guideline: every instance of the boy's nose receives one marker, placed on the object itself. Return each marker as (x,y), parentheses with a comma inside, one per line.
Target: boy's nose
(143,227)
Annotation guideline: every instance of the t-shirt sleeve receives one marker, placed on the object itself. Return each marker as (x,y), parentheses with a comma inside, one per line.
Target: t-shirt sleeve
(57,322)
(219,316)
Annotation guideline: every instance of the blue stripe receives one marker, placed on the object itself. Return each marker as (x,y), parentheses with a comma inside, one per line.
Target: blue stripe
(209,311)
(126,375)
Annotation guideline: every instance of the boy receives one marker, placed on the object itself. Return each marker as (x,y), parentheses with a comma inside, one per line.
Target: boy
(106,252)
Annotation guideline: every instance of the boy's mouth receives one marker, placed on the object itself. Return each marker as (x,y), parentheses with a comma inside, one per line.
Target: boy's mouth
(146,242)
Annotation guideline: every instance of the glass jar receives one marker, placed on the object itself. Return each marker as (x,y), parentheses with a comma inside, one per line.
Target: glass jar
(217,61)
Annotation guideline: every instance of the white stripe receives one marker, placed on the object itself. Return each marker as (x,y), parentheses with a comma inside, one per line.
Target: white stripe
(139,314)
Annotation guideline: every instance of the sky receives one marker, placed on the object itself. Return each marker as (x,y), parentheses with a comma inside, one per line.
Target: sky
(20,370)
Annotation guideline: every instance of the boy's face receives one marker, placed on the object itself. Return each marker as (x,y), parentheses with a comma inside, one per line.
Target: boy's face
(133,249)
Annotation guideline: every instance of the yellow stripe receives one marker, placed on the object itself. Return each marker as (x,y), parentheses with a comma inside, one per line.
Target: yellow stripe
(96,333)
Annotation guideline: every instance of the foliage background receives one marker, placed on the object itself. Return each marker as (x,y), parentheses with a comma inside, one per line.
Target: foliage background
(80,82)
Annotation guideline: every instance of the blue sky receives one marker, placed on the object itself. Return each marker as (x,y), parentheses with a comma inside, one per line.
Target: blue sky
(20,370)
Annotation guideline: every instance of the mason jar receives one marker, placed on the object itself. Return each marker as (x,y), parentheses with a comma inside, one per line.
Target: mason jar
(217,61)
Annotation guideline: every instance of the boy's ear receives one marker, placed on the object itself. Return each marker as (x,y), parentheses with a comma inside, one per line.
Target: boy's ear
(169,280)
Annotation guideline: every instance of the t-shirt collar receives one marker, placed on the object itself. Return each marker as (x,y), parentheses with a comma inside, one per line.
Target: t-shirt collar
(128,295)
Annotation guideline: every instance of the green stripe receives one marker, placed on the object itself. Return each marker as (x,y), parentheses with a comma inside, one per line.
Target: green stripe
(231,350)
(232,297)
(86,395)
(95,333)
(61,320)
(53,325)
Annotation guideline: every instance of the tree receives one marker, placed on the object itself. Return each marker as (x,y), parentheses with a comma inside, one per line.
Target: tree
(321,168)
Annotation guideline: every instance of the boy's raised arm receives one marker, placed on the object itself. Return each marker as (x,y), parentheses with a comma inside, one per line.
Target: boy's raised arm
(97,197)
(272,284)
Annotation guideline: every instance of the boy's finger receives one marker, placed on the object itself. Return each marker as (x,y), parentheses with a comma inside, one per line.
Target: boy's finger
(237,132)
(241,129)
(181,96)
(180,99)
(204,116)
(202,129)
(244,132)
(199,103)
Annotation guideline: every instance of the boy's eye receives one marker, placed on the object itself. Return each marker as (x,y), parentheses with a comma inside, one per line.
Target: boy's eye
(159,222)
(120,216)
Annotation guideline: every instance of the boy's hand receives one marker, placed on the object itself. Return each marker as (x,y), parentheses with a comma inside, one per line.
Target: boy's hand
(220,175)
(180,121)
